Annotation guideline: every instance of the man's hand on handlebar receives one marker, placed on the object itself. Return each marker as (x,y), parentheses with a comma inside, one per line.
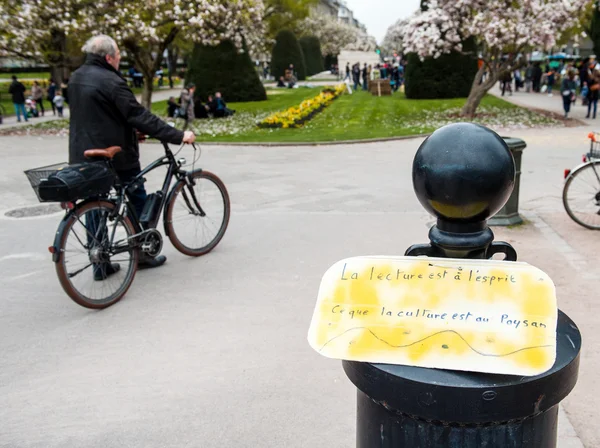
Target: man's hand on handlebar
(189,137)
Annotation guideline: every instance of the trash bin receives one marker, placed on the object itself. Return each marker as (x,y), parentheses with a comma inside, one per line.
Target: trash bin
(509,214)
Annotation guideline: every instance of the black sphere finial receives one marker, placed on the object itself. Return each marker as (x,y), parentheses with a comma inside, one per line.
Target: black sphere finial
(463,172)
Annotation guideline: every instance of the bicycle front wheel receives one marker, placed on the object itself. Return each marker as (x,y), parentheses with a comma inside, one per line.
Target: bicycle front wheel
(581,196)
(97,262)
(197,222)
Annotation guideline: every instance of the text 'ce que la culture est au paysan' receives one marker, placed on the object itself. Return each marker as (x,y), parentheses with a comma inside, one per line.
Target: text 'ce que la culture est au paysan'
(422,313)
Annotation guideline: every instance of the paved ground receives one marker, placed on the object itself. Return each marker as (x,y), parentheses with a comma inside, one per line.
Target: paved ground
(9,122)
(212,352)
(552,103)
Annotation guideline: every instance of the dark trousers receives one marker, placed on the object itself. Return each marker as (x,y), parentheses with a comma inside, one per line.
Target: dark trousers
(137,197)
(567,103)
(52,105)
(39,104)
(593,103)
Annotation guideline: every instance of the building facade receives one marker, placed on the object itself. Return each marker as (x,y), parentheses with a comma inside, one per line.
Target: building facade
(339,10)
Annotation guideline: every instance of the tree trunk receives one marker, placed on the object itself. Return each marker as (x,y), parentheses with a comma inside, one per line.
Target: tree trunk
(56,73)
(475,96)
(172,57)
(147,90)
(478,91)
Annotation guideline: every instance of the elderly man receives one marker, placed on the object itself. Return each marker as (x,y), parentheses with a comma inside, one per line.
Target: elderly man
(104,113)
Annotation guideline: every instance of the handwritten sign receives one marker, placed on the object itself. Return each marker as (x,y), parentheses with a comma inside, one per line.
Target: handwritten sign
(473,315)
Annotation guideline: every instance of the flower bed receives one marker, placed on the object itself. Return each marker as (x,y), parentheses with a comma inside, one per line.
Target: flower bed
(295,117)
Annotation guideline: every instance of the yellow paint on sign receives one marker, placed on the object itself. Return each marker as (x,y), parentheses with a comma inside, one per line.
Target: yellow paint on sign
(473,315)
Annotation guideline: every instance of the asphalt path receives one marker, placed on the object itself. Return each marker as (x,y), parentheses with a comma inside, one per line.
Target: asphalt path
(212,352)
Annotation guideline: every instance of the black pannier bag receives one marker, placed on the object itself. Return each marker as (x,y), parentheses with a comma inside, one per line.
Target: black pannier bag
(77,181)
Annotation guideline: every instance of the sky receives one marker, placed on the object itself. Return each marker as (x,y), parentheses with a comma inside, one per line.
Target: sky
(378,15)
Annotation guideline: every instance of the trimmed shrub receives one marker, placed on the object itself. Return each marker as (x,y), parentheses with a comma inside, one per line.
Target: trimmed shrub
(449,76)
(287,51)
(224,69)
(311,48)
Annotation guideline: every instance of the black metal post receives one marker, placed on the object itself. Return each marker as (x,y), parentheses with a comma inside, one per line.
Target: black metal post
(463,174)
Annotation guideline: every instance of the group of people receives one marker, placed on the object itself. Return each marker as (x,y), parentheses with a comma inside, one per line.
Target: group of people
(393,72)
(33,105)
(582,77)
(189,108)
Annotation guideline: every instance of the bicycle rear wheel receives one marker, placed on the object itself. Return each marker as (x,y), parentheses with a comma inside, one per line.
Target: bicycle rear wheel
(90,244)
(581,196)
(196,232)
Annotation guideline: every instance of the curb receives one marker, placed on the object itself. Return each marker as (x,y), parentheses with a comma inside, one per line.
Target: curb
(332,143)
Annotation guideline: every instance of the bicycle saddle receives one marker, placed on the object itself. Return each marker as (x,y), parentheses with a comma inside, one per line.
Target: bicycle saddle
(107,153)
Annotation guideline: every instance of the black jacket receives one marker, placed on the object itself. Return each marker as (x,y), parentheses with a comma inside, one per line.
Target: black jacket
(104,112)
(17,90)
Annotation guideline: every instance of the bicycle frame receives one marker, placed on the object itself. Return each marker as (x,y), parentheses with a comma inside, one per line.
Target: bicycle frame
(174,171)
(124,207)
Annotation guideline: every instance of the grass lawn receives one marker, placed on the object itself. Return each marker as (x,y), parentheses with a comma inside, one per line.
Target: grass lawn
(357,116)
(350,117)
(32,75)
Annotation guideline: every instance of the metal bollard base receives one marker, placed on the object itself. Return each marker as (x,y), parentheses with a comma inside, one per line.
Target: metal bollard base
(413,407)
(381,427)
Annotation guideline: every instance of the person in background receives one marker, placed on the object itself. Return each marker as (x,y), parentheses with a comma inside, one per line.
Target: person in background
(568,90)
(347,71)
(518,80)
(187,104)
(550,81)
(365,77)
(59,102)
(64,87)
(160,75)
(38,95)
(17,92)
(172,107)
(396,77)
(537,77)
(528,77)
(593,81)
(281,82)
(219,107)
(51,94)
(356,75)
(506,80)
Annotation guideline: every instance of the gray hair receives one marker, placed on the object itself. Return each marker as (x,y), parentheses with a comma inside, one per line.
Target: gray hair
(100,45)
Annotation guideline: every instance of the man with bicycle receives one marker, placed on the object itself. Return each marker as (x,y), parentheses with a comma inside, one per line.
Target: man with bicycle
(105,113)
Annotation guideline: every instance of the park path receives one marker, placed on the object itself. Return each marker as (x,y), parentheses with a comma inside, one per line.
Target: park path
(10,122)
(550,103)
(229,342)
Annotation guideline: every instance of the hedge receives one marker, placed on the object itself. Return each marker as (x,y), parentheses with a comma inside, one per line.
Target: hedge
(224,69)
(287,51)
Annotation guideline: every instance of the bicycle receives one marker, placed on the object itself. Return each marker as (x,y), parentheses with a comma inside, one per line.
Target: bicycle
(98,231)
(581,193)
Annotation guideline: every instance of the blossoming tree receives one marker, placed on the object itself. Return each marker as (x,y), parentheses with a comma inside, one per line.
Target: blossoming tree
(147,28)
(504,30)
(41,29)
(393,37)
(48,31)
